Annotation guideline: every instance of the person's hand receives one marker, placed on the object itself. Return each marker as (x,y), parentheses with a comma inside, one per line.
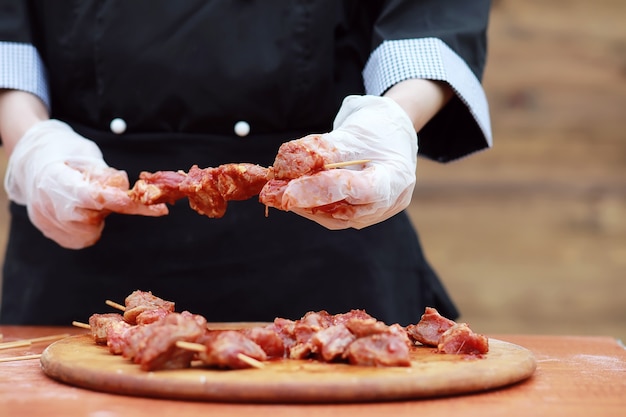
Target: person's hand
(366,127)
(66,186)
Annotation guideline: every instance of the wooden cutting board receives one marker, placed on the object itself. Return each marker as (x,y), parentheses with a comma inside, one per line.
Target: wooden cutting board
(78,361)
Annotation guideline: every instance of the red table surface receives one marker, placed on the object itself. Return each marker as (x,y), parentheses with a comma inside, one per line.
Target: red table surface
(575,376)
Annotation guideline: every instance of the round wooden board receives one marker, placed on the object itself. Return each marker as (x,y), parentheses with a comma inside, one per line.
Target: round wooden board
(78,361)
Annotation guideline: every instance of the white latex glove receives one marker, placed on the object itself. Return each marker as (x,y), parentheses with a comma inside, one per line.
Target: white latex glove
(66,186)
(366,127)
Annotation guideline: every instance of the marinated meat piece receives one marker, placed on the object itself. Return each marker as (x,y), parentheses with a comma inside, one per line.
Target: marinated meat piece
(208,190)
(140,301)
(158,187)
(295,159)
(201,188)
(153,346)
(223,348)
(135,339)
(300,350)
(285,328)
(201,320)
(117,334)
(352,314)
(304,329)
(241,181)
(460,339)
(271,195)
(99,323)
(311,322)
(331,343)
(308,157)
(366,327)
(430,327)
(385,349)
(150,316)
(268,339)
(302,157)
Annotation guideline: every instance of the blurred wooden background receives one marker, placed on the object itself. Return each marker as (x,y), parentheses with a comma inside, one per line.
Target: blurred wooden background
(530,236)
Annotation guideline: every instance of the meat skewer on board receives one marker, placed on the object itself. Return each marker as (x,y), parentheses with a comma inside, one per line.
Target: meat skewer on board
(148,330)
(226,349)
(223,355)
(151,334)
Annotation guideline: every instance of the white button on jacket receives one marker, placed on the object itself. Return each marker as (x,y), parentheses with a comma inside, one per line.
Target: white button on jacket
(118,126)
(242,128)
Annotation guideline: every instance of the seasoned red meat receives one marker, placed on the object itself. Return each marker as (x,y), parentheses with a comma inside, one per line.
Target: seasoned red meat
(430,327)
(153,346)
(304,329)
(285,328)
(268,339)
(366,327)
(352,314)
(158,187)
(295,159)
(99,324)
(460,339)
(199,319)
(150,316)
(208,190)
(302,157)
(139,301)
(224,346)
(117,334)
(271,195)
(201,188)
(331,343)
(241,181)
(384,349)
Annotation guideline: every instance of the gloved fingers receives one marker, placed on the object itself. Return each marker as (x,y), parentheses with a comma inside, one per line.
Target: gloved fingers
(117,200)
(376,183)
(107,188)
(342,198)
(342,215)
(82,231)
(61,189)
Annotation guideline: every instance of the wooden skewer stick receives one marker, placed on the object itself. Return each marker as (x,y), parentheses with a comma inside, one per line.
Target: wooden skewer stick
(250,361)
(81,325)
(115,305)
(49,338)
(197,347)
(27,342)
(346,163)
(15,344)
(20,358)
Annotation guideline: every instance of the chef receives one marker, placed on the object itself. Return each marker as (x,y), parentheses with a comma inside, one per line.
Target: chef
(94,89)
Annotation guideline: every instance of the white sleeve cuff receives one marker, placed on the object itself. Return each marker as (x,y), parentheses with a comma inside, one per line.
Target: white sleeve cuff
(427,58)
(21,68)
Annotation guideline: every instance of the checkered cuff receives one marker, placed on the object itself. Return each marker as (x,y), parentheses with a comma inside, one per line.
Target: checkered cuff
(428,58)
(21,68)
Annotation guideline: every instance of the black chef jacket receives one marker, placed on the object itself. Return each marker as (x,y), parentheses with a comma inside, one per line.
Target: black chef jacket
(181,74)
